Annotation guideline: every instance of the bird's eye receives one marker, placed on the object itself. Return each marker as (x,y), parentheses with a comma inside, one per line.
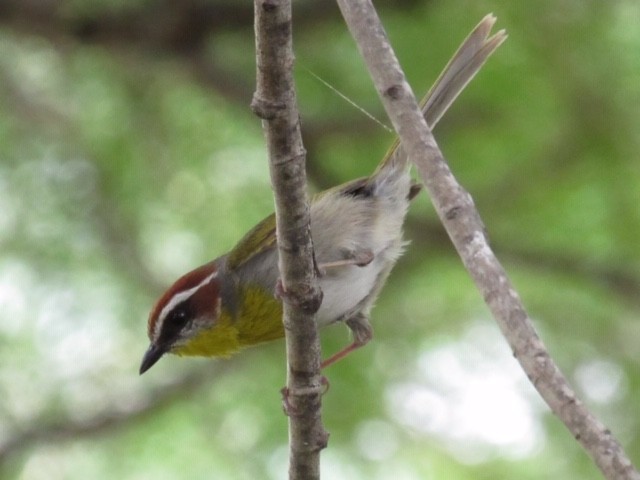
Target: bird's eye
(176,321)
(180,316)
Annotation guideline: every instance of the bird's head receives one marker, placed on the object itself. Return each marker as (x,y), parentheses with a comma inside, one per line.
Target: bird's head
(188,319)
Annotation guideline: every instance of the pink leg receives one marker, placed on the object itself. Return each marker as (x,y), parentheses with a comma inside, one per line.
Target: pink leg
(362,334)
(340,355)
(360,258)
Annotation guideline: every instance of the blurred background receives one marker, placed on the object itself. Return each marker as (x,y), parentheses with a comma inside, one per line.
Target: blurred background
(129,155)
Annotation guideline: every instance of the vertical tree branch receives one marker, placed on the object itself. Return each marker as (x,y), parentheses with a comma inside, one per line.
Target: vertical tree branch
(457,212)
(275,102)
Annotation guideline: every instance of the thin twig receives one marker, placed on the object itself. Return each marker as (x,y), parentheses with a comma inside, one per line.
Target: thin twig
(275,102)
(463,224)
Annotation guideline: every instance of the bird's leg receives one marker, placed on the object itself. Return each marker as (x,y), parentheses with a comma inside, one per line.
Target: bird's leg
(357,323)
(359,258)
(362,334)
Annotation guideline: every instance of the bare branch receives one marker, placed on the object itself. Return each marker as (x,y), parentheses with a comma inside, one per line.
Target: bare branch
(275,102)
(463,224)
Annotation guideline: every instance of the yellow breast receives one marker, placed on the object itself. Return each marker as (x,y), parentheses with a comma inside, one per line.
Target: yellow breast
(259,320)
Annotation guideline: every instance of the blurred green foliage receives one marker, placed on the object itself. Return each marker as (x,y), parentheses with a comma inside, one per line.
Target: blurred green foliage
(128,155)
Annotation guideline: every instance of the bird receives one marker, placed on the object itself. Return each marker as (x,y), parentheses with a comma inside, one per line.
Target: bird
(232,302)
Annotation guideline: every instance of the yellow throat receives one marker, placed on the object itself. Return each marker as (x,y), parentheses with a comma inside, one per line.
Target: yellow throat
(259,320)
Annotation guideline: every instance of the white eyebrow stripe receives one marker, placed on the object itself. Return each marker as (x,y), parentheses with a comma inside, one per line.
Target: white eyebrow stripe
(175,300)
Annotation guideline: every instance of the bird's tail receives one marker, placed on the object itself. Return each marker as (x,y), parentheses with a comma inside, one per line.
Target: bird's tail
(462,67)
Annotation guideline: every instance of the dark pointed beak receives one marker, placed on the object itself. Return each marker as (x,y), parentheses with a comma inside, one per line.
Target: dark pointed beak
(152,355)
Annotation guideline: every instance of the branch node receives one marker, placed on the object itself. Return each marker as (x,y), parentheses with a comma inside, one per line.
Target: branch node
(269,6)
(293,159)
(322,440)
(453,212)
(266,109)
(394,92)
(305,297)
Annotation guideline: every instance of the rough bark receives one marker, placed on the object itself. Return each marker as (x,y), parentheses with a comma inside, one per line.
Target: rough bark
(275,102)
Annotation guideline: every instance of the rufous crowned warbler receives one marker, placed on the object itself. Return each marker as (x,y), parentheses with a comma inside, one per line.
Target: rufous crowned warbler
(230,303)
